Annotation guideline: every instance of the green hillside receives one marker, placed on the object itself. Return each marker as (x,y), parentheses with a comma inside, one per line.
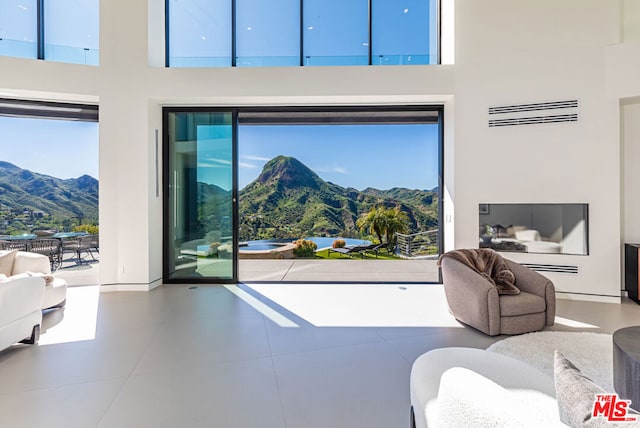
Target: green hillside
(289,200)
(29,200)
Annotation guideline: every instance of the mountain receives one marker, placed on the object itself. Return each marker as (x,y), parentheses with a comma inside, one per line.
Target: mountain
(289,200)
(21,190)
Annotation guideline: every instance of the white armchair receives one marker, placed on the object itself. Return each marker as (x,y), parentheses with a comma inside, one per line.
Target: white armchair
(20,310)
(25,263)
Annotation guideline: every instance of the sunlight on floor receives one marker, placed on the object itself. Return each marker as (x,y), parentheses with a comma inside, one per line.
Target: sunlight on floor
(573,323)
(265,310)
(76,322)
(362,305)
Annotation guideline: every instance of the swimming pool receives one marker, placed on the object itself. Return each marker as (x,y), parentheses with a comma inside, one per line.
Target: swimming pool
(321,241)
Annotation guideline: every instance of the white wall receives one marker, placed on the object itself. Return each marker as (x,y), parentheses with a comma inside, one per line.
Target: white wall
(631,20)
(506,52)
(525,52)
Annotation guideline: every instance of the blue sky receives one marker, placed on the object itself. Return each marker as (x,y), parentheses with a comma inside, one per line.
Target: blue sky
(60,148)
(359,156)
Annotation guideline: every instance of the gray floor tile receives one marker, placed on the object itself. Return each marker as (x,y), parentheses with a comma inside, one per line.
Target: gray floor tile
(235,395)
(351,387)
(74,405)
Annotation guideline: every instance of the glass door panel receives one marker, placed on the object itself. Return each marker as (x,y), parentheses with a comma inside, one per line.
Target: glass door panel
(199,209)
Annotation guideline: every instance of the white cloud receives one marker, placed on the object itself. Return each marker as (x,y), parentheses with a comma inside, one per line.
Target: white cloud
(246,165)
(210,161)
(214,163)
(256,158)
(334,169)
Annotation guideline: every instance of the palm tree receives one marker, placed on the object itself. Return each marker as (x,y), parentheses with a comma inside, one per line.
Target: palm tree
(396,222)
(374,221)
(384,221)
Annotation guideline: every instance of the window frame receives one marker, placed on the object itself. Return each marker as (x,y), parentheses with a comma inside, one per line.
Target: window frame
(438,33)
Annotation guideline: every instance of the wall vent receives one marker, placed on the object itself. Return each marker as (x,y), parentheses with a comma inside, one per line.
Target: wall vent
(505,114)
(551,268)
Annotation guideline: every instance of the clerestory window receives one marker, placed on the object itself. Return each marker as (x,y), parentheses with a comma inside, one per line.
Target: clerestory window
(255,33)
(60,30)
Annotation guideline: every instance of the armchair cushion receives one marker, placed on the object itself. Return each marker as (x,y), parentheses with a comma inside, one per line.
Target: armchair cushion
(524,303)
(6,262)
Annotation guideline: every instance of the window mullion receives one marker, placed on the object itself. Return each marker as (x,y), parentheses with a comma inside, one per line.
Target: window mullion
(301,33)
(370,32)
(233,33)
(40,33)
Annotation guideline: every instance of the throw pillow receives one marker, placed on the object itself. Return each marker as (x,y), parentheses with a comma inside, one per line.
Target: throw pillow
(6,262)
(504,232)
(576,394)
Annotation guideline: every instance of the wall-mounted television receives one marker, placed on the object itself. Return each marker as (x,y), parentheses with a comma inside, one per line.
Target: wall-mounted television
(535,228)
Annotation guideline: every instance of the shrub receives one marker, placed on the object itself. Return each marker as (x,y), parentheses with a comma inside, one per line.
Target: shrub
(304,248)
(339,243)
(89,228)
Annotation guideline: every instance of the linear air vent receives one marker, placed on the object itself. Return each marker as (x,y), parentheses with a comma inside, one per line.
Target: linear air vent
(512,115)
(533,120)
(533,107)
(551,268)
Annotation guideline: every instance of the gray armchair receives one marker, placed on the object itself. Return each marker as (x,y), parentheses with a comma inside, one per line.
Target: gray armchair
(474,301)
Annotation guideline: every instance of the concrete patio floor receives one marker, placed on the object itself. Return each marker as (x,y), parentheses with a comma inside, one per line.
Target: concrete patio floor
(294,270)
(79,272)
(340,270)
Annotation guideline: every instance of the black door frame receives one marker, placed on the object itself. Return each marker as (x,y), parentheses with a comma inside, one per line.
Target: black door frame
(236,112)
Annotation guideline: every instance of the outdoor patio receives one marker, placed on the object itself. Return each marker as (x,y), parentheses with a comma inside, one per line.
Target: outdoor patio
(294,270)
(341,270)
(79,272)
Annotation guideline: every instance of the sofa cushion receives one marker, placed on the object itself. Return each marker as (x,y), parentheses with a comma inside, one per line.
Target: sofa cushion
(507,372)
(520,304)
(468,399)
(6,262)
(528,235)
(31,262)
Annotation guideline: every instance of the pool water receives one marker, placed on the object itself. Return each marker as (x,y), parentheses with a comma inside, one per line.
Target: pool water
(322,242)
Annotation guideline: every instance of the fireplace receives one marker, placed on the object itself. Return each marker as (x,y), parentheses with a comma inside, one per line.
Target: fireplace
(535,228)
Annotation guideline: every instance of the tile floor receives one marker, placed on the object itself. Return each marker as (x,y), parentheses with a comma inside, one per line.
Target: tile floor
(255,356)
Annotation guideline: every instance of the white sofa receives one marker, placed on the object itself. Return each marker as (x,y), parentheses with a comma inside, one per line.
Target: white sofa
(463,387)
(20,310)
(26,263)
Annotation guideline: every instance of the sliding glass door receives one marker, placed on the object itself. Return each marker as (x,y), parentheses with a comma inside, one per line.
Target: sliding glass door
(199,196)
(245,187)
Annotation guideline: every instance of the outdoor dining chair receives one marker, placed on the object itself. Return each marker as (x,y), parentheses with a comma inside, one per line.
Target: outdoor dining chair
(20,245)
(50,247)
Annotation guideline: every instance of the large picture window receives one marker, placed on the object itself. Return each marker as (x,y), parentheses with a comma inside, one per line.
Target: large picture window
(249,33)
